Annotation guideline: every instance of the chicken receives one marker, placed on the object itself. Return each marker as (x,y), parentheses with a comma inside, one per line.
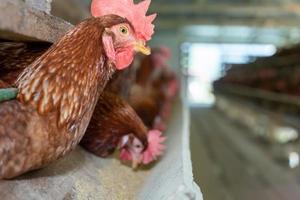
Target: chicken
(147,95)
(146,102)
(121,82)
(170,87)
(59,91)
(116,125)
(152,95)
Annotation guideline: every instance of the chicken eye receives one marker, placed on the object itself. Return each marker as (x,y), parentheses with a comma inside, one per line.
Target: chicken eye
(124,30)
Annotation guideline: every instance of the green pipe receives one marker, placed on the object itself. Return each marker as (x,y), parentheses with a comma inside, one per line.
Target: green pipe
(8,94)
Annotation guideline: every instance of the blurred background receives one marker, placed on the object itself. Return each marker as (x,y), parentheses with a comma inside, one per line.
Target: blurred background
(240,60)
(239,63)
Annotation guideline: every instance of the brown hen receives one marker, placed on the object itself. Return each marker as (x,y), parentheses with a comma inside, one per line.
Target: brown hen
(59,90)
(58,93)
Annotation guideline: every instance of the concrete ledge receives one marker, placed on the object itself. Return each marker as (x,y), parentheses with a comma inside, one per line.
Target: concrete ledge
(19,21)
(43,5)
(172,178)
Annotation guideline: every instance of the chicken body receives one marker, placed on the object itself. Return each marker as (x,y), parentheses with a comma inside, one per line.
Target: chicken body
(58,93)
(113,118)
(121,82)
(146,97)
(146,102)
(155,88)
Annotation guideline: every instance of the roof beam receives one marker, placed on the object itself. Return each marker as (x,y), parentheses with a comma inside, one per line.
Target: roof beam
(172,16)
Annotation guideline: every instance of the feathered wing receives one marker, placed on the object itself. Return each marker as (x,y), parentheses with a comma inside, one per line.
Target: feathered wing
(113,118)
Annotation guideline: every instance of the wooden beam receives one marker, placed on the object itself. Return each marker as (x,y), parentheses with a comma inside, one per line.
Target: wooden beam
(19,21)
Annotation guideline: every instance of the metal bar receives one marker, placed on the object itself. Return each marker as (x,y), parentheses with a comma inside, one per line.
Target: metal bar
(258,94)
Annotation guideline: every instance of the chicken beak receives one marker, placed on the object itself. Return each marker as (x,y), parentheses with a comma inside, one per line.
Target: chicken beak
(135,162)
(140,47)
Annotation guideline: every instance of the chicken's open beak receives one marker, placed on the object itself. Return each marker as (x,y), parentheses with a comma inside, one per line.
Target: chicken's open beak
(140,47)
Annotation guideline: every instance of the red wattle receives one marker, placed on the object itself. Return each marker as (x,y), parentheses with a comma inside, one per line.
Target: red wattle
(124,59)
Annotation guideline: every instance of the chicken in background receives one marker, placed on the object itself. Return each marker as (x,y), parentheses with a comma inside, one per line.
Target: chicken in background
(115,125)
(170,87)
(155,89)
(121,82)
(146,97)
(47,120)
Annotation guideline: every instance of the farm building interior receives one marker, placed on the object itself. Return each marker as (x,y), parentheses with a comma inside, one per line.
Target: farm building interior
(219,93)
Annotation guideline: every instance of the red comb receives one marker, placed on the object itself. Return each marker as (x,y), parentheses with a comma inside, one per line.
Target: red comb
(155,146)
(134,13)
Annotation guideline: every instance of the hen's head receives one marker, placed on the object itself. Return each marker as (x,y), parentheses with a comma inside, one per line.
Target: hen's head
(121,41)
(132,149)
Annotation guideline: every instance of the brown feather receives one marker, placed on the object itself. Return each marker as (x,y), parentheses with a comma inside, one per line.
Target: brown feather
(112,119)
(146,102)
(65,77)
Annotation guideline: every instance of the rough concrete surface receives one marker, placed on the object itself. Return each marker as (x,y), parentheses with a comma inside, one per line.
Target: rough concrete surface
(43,5)
(80,176)
(172,177)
